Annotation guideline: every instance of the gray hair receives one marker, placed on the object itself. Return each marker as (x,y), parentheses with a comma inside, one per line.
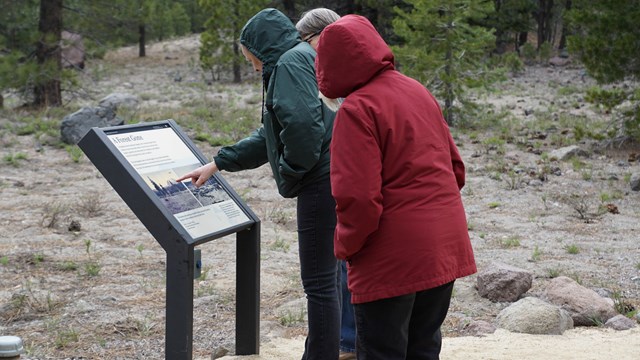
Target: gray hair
(314,21)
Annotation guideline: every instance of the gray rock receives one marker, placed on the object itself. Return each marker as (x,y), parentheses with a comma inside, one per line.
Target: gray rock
(559,61)
(479,328)
(72,50)
(119,100)
(567,152)
(586,307)
(635,182)
(536,183)
(500,282)
(534,316)
(620,322)
(219,352)
(76,125)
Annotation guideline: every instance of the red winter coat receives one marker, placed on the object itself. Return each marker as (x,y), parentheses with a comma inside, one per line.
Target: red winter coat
(396,173)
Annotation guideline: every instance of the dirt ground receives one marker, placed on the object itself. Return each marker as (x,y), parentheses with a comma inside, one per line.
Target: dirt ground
(98,292)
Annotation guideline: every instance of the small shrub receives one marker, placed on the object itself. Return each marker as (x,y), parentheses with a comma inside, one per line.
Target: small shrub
(38,258)
(536,254)
(92,269)
(66,337)
(91,205)
(494,144)
(68,266)
(572,249)
(140,247)
(568,90)
(510,242)
(493,205)
(290,318)
(280,244)
(14,159)
(54,213)
(75,152)
(582,204)
(622,307)
(545,52)
(514,180)
(553,273)
(529,52)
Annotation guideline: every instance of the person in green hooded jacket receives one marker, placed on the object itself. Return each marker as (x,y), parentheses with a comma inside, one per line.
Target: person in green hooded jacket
(294,139)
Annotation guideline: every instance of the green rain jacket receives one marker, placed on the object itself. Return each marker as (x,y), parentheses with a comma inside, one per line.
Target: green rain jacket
(296,126)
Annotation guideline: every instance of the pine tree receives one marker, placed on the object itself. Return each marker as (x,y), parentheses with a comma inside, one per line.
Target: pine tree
(606,38)
(511,18)
(220,49)
(30,50)
(444,48)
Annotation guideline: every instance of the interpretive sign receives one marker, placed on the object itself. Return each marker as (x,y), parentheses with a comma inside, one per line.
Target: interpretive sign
(159,155)
(142,162)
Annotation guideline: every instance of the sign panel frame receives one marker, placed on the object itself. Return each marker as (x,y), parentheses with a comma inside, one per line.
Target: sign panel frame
(125,155)
(132,186)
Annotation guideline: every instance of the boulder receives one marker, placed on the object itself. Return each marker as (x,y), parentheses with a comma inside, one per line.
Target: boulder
(567,152)
(75,126)
(478,328)
(620,322)
(534,316)
(72,50)
(586,307)
(635,182)
(116,101)
(559,61)
(500,282)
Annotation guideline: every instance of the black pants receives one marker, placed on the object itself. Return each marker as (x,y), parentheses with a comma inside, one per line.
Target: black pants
(403,327)
(319,270)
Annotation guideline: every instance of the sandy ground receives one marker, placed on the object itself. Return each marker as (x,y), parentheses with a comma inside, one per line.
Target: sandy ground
(576,344)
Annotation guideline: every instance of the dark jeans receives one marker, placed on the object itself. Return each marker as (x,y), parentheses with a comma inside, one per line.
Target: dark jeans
(319,270)
(348,325)
(403,327)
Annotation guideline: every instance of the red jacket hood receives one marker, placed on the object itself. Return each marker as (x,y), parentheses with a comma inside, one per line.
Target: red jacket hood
(350,53)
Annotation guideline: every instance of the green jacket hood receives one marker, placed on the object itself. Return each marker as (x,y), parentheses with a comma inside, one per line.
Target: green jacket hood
(268,35)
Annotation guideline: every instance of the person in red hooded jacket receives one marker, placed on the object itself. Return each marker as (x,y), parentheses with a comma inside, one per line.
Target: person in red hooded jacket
(396,176)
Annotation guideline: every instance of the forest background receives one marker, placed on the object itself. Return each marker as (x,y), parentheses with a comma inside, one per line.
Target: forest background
(461,50)
(449,45)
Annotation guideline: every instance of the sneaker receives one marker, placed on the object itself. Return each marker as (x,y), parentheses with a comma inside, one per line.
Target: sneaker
(347,356)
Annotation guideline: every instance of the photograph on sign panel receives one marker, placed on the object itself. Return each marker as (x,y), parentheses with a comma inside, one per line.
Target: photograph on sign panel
(211,192)
(174,195)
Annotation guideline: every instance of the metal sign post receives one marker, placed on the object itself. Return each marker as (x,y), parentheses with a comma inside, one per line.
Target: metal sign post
(141,162)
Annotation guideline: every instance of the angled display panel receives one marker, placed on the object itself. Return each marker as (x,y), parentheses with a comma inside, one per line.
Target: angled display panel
(155,154)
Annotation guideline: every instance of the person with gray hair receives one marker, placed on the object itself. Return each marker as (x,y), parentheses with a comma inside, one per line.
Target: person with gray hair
(312,23)
(310,26)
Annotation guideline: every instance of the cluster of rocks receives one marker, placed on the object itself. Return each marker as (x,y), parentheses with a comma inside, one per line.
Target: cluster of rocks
(75,126)
(561,305)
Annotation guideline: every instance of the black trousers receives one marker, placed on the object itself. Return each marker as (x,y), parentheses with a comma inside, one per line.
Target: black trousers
(319,270)
(403,327)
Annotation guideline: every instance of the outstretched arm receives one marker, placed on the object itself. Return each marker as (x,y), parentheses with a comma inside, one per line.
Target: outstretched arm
(200,175)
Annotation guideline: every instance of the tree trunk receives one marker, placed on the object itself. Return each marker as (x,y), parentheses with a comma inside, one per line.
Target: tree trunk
(47,89)
(290,9)
(449,97)
(502,39)
(522,39)
(563,36)
(237,78)
(1,101)
(543,18)
(141,40)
